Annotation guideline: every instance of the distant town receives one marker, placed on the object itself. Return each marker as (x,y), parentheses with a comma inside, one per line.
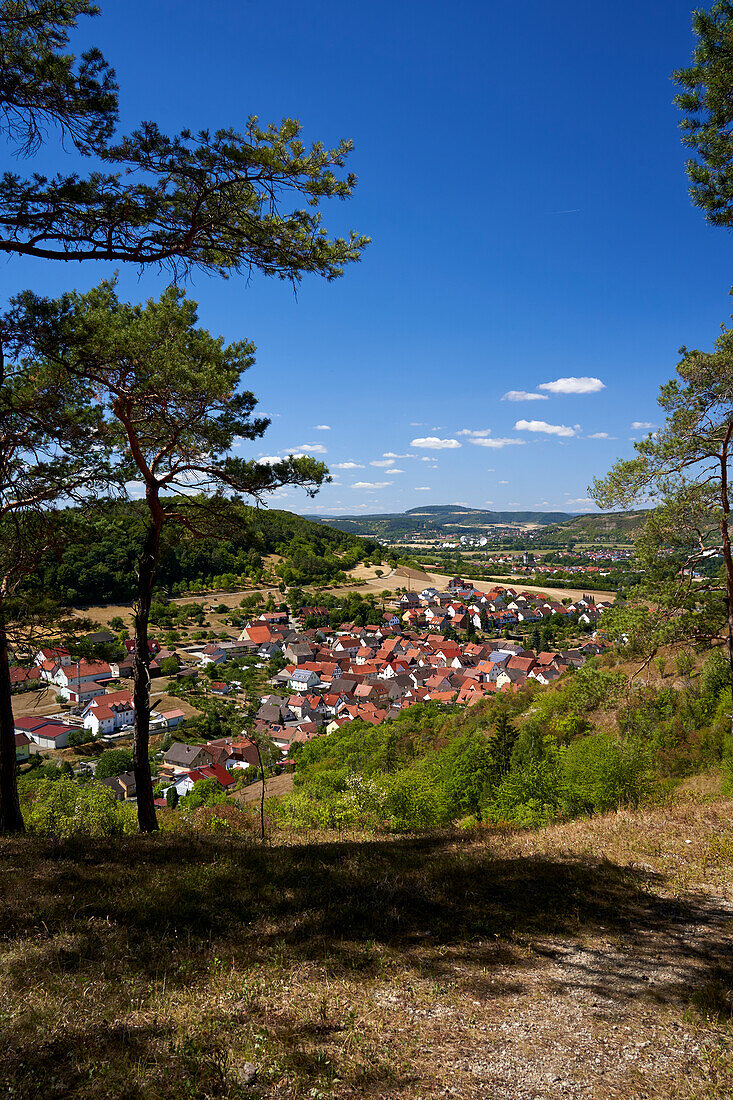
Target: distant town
(449,647)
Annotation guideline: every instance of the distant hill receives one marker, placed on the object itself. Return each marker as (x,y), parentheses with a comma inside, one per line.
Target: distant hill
(436,519)
(456,519)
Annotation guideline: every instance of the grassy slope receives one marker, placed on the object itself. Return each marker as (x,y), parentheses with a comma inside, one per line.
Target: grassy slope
(590,959)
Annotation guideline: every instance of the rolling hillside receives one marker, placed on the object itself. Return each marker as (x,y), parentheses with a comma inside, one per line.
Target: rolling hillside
(454,519)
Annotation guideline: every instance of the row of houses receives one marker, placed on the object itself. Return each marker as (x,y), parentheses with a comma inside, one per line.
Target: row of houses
(371,673)
(463,606)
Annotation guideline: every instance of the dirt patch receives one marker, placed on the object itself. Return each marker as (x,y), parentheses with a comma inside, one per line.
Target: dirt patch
(276,787)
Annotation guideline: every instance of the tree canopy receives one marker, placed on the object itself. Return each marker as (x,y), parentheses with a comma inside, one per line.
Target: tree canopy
(706,101)
(222,200)
(683,470)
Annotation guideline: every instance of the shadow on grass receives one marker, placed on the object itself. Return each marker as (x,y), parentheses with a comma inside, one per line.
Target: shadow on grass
(341,904)
(140,918)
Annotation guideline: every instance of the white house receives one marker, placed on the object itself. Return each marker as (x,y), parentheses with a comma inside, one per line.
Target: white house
(107,713)
(75,681)
(49,733)
(302,679)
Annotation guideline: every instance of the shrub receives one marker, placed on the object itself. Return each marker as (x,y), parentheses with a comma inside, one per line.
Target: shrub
(601,773)
(64,808)
(413,801)
(528,796)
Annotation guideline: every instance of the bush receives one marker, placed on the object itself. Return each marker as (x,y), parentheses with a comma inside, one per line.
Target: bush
(206,792)
(413,801)
(528,796)
(601,773)
(64,808)
(337,810)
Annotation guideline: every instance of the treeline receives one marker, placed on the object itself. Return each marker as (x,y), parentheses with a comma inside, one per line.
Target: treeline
(99,566)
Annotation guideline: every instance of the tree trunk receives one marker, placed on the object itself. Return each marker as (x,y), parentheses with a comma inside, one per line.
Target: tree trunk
(727,555)
(146,817)
(11,819)
(262,788)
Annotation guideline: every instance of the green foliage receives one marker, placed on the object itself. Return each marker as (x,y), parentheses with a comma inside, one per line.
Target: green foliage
(705,101)
(65,808)
(100,568)
(217,200)
(206,792)
(503,743)
(113,762)
(528,796)
(413,801)
(465,771)
(601,773)
(715,675)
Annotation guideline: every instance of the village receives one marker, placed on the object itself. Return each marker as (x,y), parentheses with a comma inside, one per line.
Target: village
(449,647)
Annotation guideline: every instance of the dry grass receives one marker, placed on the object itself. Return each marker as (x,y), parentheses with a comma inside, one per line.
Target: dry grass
(404,577)
(275,787)
(586,960)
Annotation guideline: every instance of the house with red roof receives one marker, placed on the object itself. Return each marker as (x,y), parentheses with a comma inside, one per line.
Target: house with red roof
(22,748)
(106,713)
(48,733)
(23,678)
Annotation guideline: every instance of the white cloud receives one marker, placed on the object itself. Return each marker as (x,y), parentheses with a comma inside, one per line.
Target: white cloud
(573,385)
(135,489)
(432,443)
(522,395)
(322,428)
(422,489)
(497,444)
(642,426)
(394,470)
(382,462)
(417,424)
(461,504)
(391,454)
(543,426)
(513,504)
(370,484)
(347,466)
(305,448)
(601,435)
(269,460)
(475,434)
(503,482)
(488,502)
(584,502)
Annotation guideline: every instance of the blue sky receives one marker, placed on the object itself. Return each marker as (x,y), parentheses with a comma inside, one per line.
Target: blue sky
(522,179)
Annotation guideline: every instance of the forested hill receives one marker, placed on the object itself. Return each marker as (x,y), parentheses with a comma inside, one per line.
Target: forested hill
(97,564)
(454,519)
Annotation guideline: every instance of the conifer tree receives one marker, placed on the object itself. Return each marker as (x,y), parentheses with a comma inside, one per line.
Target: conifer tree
(170,393)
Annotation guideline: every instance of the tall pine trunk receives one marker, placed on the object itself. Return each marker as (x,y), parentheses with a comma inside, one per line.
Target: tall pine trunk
(11,819)
(146,817)
(727,555)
